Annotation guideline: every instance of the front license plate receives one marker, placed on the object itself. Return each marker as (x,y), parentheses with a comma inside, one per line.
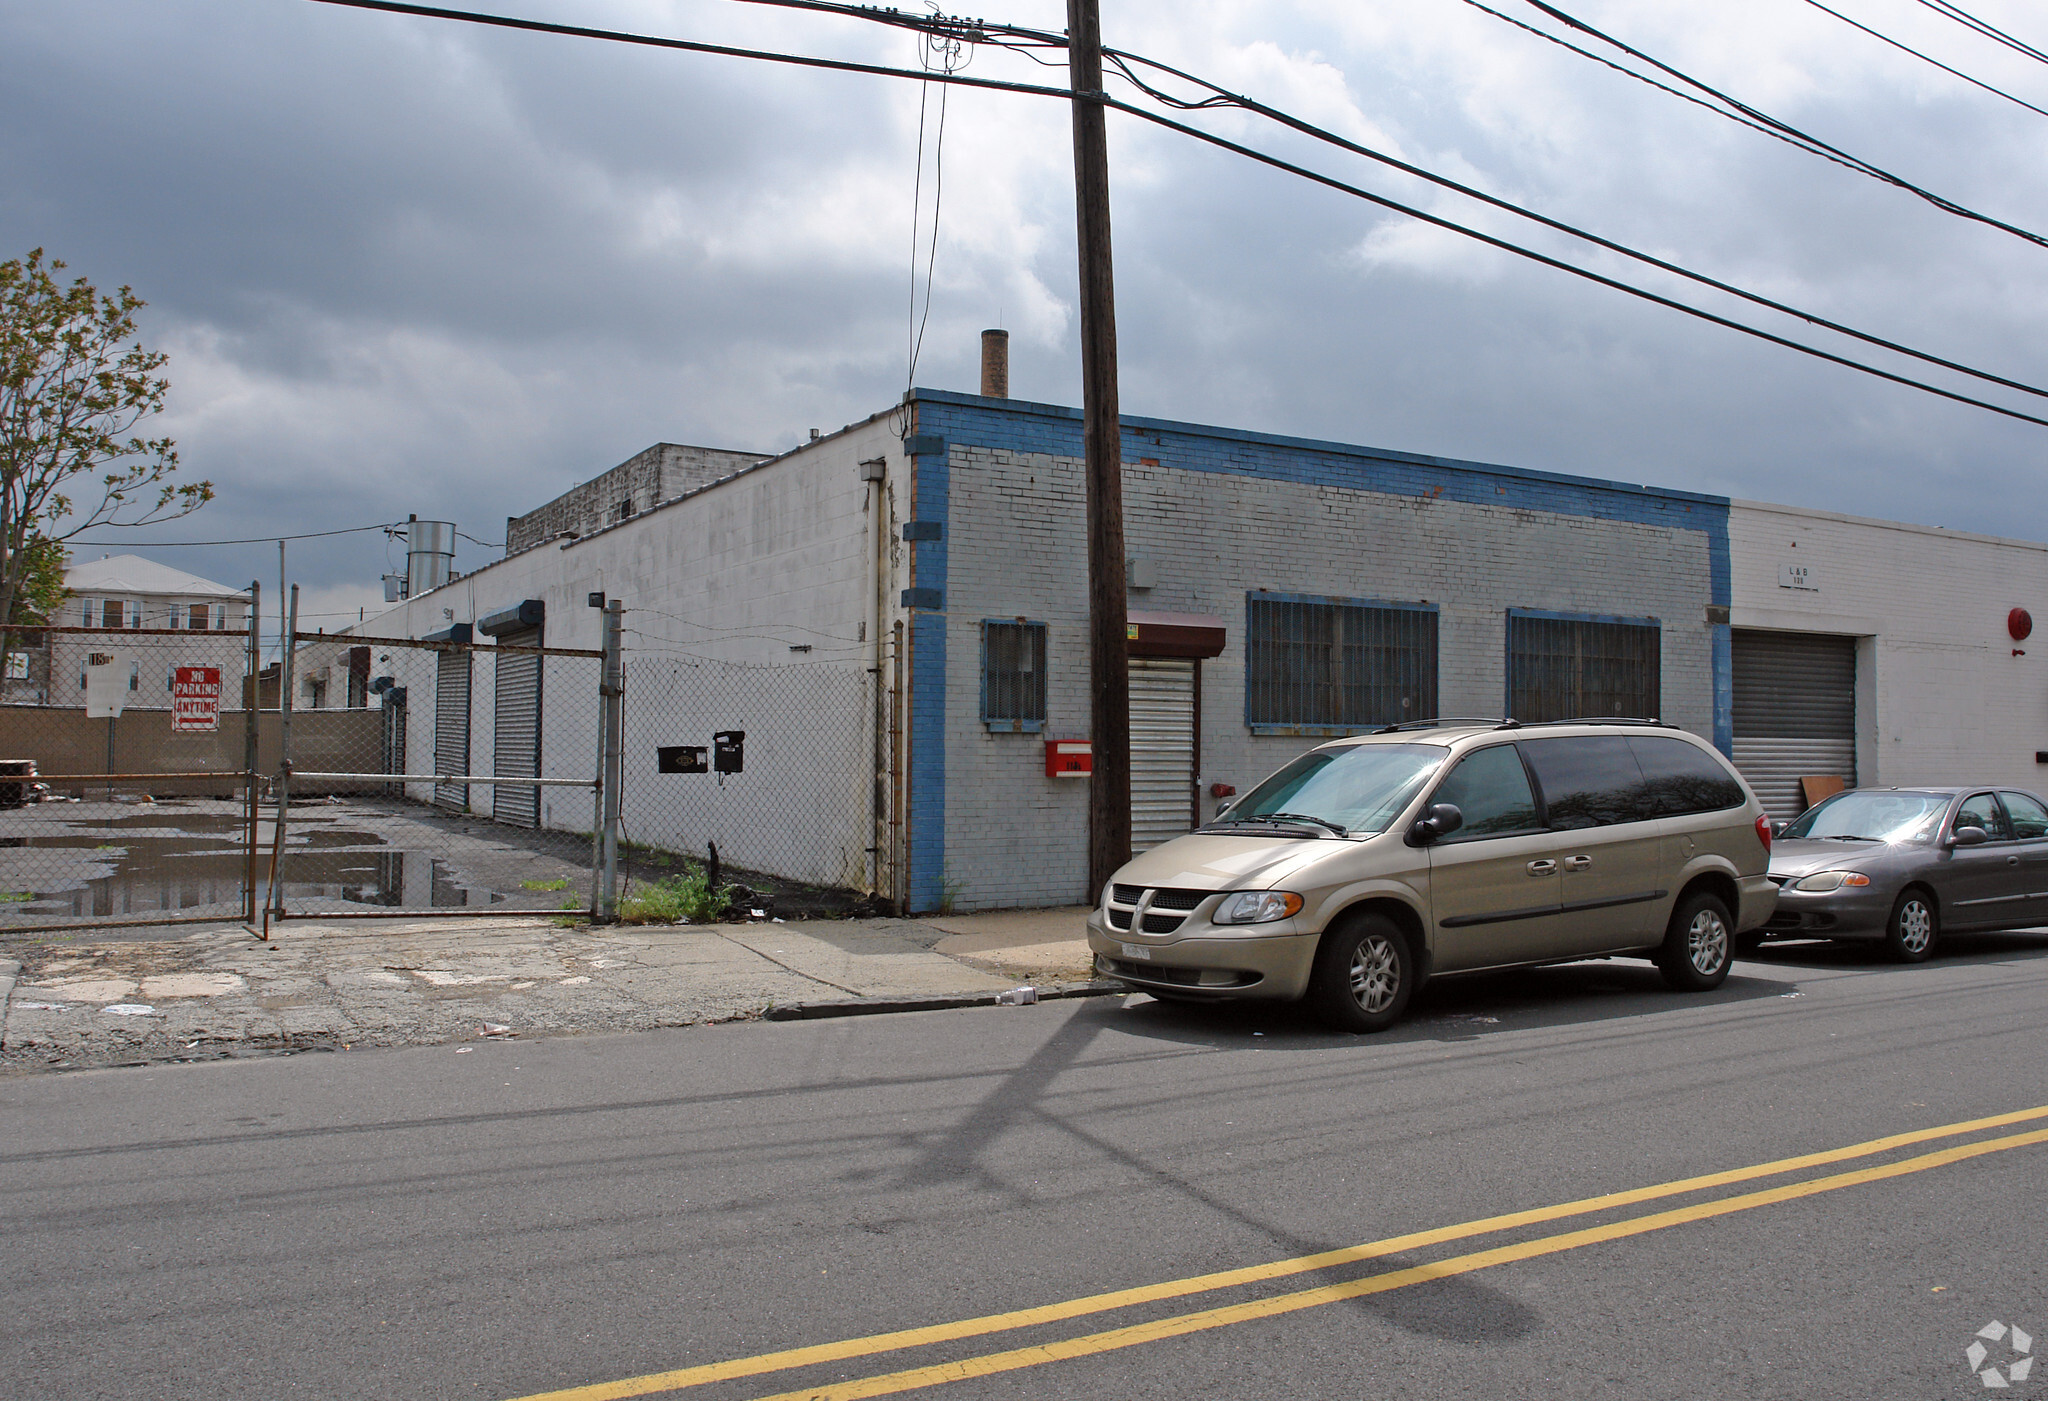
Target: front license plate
(1135,951)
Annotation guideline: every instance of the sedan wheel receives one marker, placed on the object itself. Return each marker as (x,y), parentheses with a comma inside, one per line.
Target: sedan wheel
(1910,935)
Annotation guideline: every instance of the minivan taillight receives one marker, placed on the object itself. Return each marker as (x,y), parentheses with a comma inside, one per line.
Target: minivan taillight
(1763,832)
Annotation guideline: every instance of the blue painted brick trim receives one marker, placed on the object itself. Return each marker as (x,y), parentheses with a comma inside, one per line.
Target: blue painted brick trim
(931,487)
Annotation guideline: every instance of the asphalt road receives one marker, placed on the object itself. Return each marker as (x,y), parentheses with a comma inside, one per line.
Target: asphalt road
(527,1217)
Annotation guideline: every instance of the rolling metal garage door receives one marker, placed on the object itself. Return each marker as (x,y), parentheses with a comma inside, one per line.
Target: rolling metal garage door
(451,726)
(1162,751)
(515,742)
(1795,713)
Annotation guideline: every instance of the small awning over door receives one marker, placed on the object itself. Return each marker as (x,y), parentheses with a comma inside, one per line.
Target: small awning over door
(1795,713)
(1162,750)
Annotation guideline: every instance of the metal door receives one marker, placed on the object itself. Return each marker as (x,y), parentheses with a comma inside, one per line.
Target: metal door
(451,726)
(1795,713)
(1162,750)
(515,742)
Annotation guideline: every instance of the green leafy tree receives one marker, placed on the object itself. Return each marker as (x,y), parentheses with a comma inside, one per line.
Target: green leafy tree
(74,387)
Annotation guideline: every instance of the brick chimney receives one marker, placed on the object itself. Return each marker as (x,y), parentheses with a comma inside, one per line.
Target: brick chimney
(995,364)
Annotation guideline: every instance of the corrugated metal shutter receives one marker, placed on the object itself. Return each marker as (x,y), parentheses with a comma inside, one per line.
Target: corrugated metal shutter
(515,743)
(451,726)
(1795,713)
(1162,750)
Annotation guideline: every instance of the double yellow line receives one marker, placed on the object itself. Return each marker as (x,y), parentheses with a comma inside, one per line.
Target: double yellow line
(1272,1306)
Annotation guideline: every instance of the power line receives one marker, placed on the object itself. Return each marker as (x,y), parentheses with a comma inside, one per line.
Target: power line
(1223,97)
(1157,119)
(1886,38)
(252,540)
(1989,31)
(1812,144)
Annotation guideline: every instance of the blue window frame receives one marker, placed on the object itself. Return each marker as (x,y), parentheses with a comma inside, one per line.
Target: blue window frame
(1013,675)
(1564,666)
(1332,666)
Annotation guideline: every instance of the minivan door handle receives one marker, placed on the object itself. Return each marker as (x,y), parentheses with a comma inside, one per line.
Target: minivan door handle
(1577,863)
(1545,867)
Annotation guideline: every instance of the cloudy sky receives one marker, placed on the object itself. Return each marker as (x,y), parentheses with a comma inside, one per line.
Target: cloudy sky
(403,265)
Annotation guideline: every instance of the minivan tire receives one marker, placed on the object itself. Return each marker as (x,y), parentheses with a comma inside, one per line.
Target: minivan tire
(1913,929)
(1699,944)
(1364,975)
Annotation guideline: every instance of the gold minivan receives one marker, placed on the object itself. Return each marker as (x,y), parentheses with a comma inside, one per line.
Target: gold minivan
(1370,864)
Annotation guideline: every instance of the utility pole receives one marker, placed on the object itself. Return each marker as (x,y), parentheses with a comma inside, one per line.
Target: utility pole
(1109,794)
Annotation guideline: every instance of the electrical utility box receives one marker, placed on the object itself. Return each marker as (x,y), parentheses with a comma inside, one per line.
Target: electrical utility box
(729,751)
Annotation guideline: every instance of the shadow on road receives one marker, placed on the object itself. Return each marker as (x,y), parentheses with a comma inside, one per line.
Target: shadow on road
(1996,946)
(1463,1008)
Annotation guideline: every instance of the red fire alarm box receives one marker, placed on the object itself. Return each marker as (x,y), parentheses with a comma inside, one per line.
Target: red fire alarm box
(1069,758)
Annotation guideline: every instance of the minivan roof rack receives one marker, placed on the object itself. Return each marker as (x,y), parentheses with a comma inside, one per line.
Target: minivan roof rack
(1608,720)
(1434,721)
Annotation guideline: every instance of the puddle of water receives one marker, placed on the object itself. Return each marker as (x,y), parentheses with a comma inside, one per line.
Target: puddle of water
(85,861)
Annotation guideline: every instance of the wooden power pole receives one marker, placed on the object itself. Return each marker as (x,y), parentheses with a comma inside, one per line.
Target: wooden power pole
(1109,794)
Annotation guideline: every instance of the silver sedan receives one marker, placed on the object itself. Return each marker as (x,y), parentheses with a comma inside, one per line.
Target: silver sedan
(1901,865)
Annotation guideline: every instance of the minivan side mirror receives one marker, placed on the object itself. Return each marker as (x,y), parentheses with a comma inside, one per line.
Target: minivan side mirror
(1969,836)
(1441,820)
(1778,828)
(1223,807)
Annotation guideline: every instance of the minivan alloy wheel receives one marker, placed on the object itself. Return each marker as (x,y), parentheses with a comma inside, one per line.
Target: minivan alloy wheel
(1706,942)
(1375,973)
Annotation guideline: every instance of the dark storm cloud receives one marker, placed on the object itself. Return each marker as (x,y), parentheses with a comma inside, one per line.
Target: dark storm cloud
(407,266)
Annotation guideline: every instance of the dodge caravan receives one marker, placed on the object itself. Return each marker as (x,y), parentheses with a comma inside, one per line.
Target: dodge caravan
(1370,864)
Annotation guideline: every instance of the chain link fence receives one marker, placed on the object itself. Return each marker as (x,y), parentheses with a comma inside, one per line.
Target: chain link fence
(152,776)
(772,764)
(126,757)
(400,804)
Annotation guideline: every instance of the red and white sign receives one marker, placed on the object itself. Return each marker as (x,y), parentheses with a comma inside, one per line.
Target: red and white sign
(195,698)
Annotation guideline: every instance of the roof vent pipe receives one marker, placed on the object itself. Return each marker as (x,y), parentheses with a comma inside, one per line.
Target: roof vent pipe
(995,364)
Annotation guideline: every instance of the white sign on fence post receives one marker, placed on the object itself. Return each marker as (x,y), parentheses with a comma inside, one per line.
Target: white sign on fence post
(195,698)
(106,684)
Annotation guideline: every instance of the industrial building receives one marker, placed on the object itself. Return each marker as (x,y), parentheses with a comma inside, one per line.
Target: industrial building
(932,559)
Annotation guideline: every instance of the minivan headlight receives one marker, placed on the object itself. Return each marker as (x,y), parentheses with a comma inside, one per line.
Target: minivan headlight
(1256,907)
(1830,880)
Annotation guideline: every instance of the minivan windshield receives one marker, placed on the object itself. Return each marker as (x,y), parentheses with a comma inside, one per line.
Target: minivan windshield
(1357,790)
(1871,816)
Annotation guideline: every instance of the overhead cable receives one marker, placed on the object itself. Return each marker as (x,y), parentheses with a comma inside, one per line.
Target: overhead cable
(1222,143)
(1813,144)
(1121,61)
(1989,31)
(1886,38)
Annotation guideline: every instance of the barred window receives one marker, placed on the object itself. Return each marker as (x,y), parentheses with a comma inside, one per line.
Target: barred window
(1332,666)
(1562,667)
(1013,675)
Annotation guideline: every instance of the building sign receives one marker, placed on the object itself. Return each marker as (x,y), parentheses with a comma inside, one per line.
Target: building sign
(1798,576)
(195,698)
(106,683)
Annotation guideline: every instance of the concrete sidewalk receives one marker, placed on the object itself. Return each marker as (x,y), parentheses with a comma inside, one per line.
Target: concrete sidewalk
(339,984)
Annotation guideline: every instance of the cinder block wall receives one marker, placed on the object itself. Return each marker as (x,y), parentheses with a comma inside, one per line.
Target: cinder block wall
(1221,513)
(660,473)
(1941,697)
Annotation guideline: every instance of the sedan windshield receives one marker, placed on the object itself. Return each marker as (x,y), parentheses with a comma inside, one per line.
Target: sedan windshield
(1358,789)
(1873,816)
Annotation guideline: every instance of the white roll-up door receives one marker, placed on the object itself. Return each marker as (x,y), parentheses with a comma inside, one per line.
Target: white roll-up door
(1162,750)
(515,742)
(1795,713)
(451,726)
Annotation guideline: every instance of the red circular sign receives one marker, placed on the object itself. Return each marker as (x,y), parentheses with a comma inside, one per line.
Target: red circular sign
(2020,623)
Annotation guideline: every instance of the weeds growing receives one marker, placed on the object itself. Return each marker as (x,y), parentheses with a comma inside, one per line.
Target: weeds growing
(685,896)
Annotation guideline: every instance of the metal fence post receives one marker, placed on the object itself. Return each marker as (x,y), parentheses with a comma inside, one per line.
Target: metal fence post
(252,699)
(613,691)
(274,895)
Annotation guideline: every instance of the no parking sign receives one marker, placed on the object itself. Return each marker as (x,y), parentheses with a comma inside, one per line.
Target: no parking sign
(195,698)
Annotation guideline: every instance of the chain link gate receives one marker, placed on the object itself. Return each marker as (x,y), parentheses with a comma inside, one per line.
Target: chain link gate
(128,776)
(464,782)
(773,764)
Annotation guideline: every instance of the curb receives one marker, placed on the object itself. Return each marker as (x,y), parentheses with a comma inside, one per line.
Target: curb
(9,971)
(934,1002)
